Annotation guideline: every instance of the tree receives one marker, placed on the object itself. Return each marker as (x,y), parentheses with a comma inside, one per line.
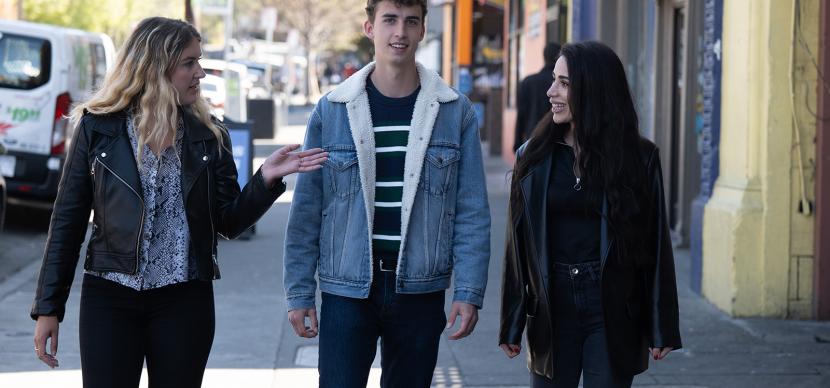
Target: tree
(115,18)
(322,25)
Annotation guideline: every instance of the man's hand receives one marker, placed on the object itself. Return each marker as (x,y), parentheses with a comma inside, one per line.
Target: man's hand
(511,350)
(660,353)
(297,319)
(45,328)
(469,318)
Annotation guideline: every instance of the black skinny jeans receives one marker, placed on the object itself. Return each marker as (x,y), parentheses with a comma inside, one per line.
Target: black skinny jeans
(172,327)
(579,331)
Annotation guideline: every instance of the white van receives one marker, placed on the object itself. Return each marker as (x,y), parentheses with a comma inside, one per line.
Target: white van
(44,71)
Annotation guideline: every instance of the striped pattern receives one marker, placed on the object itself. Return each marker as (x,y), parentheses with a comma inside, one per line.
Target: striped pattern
(391,138)
(391,120)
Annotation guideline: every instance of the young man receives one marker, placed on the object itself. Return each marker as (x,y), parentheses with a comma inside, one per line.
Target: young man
(398,208)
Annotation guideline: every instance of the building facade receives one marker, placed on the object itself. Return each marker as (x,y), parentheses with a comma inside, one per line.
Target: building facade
(759,247)
(528,26)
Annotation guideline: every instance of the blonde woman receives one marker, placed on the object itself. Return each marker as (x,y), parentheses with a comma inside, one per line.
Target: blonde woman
(157,170)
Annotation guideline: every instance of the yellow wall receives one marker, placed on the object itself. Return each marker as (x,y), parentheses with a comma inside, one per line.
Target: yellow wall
(757,247)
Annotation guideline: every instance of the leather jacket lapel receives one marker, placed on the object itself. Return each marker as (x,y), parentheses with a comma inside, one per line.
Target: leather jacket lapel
(195,157)
(534,192)
(125,167)
(604,238)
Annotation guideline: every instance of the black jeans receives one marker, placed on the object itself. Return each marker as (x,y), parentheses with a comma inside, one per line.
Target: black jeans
(172,327)
(409,326)
(579,331)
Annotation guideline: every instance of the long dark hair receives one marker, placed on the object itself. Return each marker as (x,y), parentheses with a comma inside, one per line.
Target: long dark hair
(606,131)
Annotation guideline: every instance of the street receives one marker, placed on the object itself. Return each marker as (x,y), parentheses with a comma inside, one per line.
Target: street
(255,346)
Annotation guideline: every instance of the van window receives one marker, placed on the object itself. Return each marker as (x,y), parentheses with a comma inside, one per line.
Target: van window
(99,64)
(24,61)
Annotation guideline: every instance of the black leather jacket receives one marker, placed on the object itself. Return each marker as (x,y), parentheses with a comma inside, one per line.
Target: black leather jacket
(639,302)
(101,174)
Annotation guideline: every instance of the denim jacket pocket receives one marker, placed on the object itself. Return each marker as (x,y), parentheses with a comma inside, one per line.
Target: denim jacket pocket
(440,164)
(341,169)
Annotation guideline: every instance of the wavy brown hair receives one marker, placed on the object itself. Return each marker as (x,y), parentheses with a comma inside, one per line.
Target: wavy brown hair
(140,82)
(371,6)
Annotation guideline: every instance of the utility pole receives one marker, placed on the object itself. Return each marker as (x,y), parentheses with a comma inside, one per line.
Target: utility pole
(188,12)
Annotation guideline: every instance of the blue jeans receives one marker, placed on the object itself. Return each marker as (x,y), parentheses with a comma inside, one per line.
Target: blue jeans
(408,325)
(579,331)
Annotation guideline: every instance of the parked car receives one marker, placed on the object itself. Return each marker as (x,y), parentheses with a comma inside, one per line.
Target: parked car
(213,66)
(236,85)
(44,70)
(213,90)
(259,77)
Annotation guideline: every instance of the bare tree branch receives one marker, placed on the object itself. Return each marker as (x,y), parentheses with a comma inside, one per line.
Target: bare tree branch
(322,25)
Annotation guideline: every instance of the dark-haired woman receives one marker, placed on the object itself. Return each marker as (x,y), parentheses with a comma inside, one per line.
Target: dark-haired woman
(589,269)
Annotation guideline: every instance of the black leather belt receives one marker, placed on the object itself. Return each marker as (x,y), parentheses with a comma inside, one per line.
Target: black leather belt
(386,265)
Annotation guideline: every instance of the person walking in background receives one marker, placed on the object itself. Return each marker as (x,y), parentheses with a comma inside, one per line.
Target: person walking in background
(397,210)
(588,267)
(158,172)
(531,101)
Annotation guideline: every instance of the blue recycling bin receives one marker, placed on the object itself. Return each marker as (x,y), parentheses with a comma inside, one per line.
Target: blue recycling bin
(242,148)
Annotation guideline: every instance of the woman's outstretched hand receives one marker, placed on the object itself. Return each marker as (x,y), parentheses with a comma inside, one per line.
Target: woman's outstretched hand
(286,160)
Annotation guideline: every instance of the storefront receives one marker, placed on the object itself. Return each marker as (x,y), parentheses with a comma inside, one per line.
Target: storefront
(528,26)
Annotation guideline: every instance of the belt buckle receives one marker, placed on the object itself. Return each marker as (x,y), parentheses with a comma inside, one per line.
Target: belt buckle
(380,265)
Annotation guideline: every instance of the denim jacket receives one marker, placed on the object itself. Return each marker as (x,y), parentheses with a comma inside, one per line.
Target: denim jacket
(445,218)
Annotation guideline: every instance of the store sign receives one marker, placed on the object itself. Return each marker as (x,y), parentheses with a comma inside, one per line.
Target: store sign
(214,7)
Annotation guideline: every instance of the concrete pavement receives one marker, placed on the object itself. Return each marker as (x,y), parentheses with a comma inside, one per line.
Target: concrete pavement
(255,347)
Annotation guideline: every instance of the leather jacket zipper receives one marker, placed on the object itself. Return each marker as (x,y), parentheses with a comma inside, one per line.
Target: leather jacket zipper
(577,186)
(140,200)
(212,230)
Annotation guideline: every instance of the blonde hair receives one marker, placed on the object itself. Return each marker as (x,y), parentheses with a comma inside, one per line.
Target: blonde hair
(140,82)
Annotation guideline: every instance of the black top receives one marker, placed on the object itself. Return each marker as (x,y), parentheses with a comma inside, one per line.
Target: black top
(391,118)
(573,213)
